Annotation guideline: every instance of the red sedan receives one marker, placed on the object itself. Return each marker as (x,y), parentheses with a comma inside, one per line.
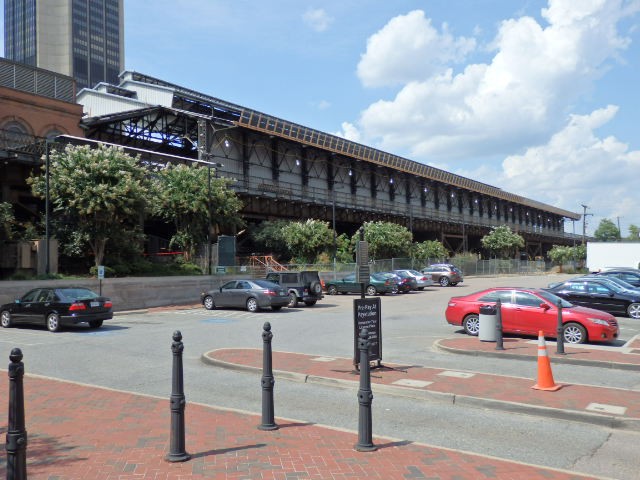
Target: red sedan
(526,311)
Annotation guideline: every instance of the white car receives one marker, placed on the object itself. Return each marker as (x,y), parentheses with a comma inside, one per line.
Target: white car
(422,279)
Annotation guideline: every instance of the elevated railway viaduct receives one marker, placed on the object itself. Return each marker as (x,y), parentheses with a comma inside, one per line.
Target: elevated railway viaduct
(289,171)
(285,170)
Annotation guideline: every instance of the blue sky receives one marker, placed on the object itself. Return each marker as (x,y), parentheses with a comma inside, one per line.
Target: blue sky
(536,97)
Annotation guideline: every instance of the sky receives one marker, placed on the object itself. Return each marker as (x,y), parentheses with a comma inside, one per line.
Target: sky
(537,97)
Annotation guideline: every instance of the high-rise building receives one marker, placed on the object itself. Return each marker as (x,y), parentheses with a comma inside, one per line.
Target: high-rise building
(83,39)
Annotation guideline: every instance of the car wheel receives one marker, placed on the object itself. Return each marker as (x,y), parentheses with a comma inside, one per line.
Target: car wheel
(310,303)
(208,302)
(471,324)
(315,287)
(574,333)
(5,319)
(95,323)
(53,322)
(371,290)
(444,281)
(252,305)
(276,308)
(420,288)
(332,290)
(633,310)
(293,300)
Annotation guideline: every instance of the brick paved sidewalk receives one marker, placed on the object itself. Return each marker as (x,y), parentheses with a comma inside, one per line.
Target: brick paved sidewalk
(82,432)
(625,358)
(612,407)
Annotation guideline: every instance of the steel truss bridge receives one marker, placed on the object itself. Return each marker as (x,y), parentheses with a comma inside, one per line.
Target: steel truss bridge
(287,171)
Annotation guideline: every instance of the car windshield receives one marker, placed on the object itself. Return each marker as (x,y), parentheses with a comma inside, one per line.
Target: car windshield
(622,283)
(554,299)
(415,273)
(77,293)
(266,284)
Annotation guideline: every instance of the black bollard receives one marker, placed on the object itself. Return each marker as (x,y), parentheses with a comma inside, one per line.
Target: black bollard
(499,343)
(177,452)
(560,331)
(268,421)
(365,396)
(16,433)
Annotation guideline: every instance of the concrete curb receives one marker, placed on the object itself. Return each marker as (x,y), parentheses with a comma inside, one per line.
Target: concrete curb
(607,421)
(554,359)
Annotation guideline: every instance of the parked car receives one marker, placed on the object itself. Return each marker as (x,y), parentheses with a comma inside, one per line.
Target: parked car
(378,284)
(244,293)
(526,311)
(57,307)
(628,275)
(444,274)
(600,294)
(304,286)
(406,282)
(422,280)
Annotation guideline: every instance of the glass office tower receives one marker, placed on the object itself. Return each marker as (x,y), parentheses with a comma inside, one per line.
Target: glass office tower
(80,38)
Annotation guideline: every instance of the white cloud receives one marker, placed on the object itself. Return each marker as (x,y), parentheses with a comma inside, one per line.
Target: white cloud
(408,48)
(576,166)
(519,98)
(317,19)
(349,131)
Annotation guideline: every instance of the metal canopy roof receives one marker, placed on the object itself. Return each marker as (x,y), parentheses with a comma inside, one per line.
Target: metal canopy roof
(191,104)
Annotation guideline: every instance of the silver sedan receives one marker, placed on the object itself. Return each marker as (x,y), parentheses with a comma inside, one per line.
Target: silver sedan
(244,293)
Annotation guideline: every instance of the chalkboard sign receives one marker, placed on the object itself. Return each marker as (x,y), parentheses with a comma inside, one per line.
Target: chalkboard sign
(367,314)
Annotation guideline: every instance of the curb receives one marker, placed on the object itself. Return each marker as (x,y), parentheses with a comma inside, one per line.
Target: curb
(607,421)
(555,359)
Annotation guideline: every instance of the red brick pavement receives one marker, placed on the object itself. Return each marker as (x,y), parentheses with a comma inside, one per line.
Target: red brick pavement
(573,398)
(83,432)
(618,357)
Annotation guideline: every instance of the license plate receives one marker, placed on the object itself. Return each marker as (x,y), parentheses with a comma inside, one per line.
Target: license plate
(94,304)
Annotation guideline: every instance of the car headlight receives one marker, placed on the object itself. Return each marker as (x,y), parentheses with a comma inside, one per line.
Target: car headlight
(599,321)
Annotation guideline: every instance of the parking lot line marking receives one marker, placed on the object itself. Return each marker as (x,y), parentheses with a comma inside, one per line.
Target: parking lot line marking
(604,408)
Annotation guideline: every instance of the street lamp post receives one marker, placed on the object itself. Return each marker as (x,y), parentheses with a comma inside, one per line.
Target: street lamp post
(47,233)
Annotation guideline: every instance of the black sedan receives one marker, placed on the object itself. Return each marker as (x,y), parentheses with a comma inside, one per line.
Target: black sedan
(599,294)
(56,307)
(250,294)
(629,276)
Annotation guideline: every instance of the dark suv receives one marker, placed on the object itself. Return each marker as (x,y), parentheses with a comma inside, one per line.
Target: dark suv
(302,286)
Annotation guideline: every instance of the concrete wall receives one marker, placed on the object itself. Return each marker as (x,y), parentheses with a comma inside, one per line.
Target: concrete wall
(128,293)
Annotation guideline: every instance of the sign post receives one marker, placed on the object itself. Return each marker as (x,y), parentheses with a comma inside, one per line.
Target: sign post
(100,278)
(367,315)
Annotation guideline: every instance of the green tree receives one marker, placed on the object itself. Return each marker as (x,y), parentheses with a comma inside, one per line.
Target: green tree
(306,240)
(386,240)
(607,231)
(7,221)
(99,192)
(502,242)
(183,196)
(634,233)
(269,237)
(429,249)
(346,249)
(560,254)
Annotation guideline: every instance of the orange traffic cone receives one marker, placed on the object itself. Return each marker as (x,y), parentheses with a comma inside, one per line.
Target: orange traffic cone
(545,376)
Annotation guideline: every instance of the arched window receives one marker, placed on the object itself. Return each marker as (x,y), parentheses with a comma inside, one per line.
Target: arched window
(14,134)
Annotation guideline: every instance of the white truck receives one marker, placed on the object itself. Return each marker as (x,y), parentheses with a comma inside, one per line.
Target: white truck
(601,255)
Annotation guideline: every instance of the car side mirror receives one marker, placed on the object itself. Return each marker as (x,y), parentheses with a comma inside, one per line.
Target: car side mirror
(220,289)
(544,306)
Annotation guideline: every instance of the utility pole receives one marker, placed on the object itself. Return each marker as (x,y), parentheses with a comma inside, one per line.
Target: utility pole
(619,231)
(584,222)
